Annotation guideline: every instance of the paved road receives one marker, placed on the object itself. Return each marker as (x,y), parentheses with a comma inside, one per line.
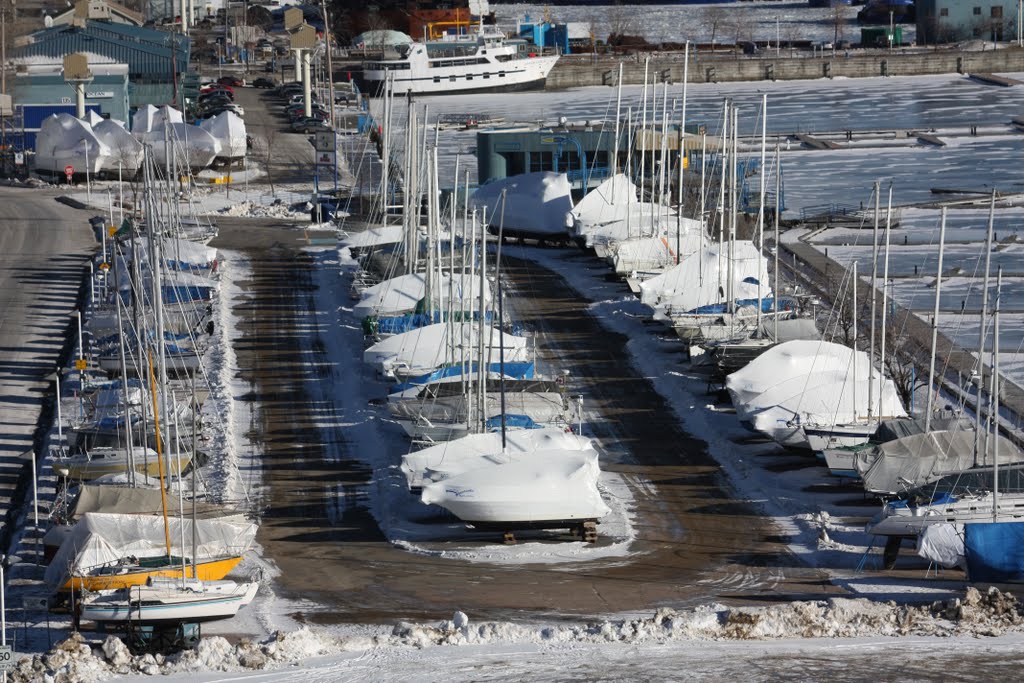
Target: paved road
(695,542)
(44,251)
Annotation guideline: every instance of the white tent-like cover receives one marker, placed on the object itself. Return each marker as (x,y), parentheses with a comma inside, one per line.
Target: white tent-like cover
(606,203)
(401,294)
(653,253)
(546,486)
(125,150)
(451,458)
(64,140)
(229,130)
(99,540)
(149,118)
(192,144)
(425,349)
(535,204)
(700,279)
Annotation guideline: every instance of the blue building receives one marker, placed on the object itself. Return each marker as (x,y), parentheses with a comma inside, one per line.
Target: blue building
(157,61)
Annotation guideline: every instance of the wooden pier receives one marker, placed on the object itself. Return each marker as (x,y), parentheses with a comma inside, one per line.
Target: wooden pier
(994,79)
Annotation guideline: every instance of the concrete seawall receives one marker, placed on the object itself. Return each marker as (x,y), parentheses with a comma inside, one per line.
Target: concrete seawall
(584,70)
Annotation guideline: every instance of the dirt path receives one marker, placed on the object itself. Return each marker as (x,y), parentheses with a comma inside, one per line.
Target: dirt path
(695,542)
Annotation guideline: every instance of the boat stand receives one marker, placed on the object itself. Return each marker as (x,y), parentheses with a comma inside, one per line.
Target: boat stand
(161,639)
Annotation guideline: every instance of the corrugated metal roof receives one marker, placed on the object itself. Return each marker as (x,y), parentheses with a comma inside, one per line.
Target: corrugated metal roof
(147,53)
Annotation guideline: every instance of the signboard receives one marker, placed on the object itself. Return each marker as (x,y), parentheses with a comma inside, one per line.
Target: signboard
(69,171)
(324,141)
(80,364)
(325,159)
(19,158)
(6,658)
(99,94)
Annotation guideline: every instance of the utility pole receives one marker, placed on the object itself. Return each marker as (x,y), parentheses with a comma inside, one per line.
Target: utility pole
(330,62)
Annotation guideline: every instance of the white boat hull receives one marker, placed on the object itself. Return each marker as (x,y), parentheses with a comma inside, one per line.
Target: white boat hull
(209,601)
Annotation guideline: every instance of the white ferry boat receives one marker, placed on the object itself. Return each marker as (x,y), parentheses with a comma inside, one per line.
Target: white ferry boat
(481,61)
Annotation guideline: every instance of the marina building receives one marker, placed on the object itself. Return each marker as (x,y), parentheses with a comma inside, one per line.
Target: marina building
(947,21)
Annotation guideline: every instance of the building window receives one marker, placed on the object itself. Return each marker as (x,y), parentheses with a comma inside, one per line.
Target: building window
(437,79)
(944,12)
(997,11)
(977,11)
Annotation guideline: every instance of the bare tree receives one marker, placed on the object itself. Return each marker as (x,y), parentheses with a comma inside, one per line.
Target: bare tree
(715,17)
(837,17)
(263,146)
(621,21)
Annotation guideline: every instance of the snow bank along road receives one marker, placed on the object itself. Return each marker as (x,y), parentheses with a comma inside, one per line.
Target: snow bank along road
(695,541)
(44,252)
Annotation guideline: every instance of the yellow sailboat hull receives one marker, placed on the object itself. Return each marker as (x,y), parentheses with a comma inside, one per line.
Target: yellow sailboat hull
(212,570)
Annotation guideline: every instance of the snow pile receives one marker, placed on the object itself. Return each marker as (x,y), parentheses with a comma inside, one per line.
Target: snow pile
(251,209)
(535,203)
(992,613)
(229,130)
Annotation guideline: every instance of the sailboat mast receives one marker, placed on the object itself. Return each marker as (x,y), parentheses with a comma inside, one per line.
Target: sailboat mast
(643,129)
(760,204)
(935,325)
(885,305)
(682,158)
(159,458)
(501,320)
(778,244)
(618,116)
(874,300)
(853,315)
(125,396)
(983,325)
(994,399)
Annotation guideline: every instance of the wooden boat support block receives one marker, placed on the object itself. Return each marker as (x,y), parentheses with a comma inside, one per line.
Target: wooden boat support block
(590,532)
(221,180)
(509,538)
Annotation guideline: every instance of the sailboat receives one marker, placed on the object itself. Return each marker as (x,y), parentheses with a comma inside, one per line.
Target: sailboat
(168,600)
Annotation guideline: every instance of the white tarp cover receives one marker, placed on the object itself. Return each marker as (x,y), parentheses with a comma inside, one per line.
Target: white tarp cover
(125,150)
(379,38)
(174,250)
(641,220)
(229,130)
(544,407)
(480,450)
(99,540)
(92,118)
(64,140)
(401,294)
(819,399)
(542,486)
(426,348)
(374,237)
(606,203)
(915,460)
(535,203)
(192,144)
(802,360)
(700,279)
(942,544)
(653,253)
(136,500)
(149,118)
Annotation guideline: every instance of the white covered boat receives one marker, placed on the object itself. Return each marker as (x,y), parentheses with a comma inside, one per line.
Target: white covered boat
(228,129)
(401,294)
(702,279)
(607,203)
(535,205)
(542,489)
(103,460)
(64,140)
(445,460)
(425,349)
(125,151)
(645,257)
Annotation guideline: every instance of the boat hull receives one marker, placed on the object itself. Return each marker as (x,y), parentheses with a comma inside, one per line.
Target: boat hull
(163,607)
(211,570)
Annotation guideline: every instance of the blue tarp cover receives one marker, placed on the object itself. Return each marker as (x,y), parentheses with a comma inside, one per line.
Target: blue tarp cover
(995,551)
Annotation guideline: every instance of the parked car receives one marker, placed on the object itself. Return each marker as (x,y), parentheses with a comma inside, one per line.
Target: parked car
(263,82)
(218,88)
(213,111)
(309,124)
(233,81)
